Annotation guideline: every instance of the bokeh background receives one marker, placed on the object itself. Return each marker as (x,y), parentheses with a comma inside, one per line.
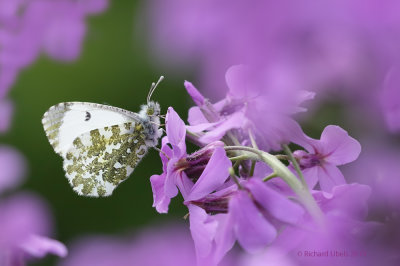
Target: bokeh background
(114,68)
(339,51)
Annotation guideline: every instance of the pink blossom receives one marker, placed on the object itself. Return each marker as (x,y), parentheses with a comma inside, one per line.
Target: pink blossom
(319,163)
(182,171)
(251,216)
(251,104)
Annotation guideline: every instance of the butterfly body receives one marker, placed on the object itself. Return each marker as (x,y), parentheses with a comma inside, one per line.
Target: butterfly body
(101,145)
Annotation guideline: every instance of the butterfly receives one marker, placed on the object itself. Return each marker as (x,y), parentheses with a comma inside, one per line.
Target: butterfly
(100,144)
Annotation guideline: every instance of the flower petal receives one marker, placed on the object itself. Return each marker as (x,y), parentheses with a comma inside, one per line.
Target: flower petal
(297,136)
(329,176)
(176,130)
(224,238)
(213,176)
(196,116)
(238,79)
(166,151)
(236,120)
(39,246)
(194,93)
(275,203)
(203,230)
(201,127)
(338,146)
(310,175)
(349,200)
(160,200)
(170,188)
(22,215)
(252,230)
(184,184)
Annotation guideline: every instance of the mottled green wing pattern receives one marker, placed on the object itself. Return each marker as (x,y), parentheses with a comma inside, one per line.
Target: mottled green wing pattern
(101,159)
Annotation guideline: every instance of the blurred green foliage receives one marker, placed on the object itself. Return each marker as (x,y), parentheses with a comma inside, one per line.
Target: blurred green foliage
(113,68)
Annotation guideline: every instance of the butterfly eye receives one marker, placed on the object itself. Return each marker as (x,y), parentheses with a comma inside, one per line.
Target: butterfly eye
(150,111)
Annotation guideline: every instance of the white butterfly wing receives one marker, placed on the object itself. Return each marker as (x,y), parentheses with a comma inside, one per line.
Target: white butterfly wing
(99,160)
(64,122)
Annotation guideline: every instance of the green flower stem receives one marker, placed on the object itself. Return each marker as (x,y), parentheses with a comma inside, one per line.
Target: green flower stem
(270,177)
(295,164)
(282,157)
(283,172)
(234,177)
(194,138)
(253,166)
(236,164)
(254,144)
(239,158)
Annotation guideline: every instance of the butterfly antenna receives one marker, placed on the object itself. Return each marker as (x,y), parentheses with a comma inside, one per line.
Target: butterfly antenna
(153,87)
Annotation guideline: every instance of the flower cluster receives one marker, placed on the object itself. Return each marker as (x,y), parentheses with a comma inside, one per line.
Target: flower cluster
(335,48)
(244,183)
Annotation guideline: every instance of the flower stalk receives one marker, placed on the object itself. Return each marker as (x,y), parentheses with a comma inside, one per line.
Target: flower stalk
(295,164)
(283,172)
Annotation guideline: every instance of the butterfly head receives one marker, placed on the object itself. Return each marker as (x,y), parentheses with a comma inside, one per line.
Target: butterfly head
(150,116)
(151,109)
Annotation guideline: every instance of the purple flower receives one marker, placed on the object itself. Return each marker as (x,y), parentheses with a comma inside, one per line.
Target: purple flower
(320,161)
(308,43)
(30,27)
(182,171)
(251,104)
(251,216)
(340,55)
(346,205)
(196,96)
(345,232)
(23,221)
(163,191)
(347,201)
(151,247)
(39,246)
